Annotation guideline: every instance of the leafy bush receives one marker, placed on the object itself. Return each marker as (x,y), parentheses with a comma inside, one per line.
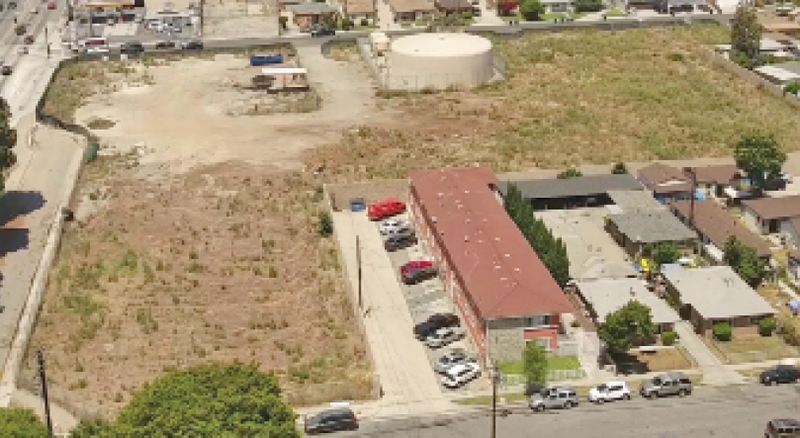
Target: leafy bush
(792,88)
(723,331)
(619,169)
(570,173)
(466,15)
(347,24)
(767,326)
(17,422)
(790,330)
(325,224)
(668,338)
(532,10)
(364,22)
(588,5)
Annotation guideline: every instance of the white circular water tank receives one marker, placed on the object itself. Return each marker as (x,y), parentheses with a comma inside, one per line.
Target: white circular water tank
(439,61)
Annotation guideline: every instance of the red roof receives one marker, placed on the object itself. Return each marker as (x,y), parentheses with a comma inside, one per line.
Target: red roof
(500,271)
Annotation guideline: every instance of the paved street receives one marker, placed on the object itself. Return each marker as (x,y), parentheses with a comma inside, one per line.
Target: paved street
(735,411)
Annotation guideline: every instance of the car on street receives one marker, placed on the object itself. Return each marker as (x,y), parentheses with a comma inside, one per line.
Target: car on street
(400,240)
(416,271)
(435,322)
(165,44)
(132,48)
(444,336)
(386,208)
(51,6)
(461,374)
(331,420)
(6,70)
(609,391)
(318,30)
(456,356)
(192,45)
(393,226)
(557,397)
(780,374)
(782,428)
(665,385)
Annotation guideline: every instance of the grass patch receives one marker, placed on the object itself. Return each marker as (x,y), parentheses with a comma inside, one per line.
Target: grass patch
(755,349)
(615,13)
(553,363)
(101,124)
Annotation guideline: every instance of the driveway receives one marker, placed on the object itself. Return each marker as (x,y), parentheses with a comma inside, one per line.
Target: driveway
(408,382)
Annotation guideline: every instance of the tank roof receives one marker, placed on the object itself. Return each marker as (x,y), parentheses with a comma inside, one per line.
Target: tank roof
(441,45)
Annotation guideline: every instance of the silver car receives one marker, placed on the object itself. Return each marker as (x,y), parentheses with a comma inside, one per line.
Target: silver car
(444,336)
(666,384)
(558,397)
(456,356)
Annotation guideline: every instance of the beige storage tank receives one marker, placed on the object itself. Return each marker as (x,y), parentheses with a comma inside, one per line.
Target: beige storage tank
(439,61)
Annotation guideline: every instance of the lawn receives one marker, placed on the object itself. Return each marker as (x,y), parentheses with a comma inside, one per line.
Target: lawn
(755,349)
(662,360)
(553,363)
(572,98)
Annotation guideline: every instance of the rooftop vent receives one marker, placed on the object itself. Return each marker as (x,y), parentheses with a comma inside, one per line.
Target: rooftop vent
(506,255)
(466,238)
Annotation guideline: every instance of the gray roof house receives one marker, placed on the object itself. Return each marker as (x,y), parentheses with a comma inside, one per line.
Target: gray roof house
(715,294)
(634,230)
(605,296)
(583,191)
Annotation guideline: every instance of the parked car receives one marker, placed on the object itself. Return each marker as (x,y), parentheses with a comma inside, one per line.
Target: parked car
(192,45)
(6,70)
(456,356)
(782,428)
(444,336)
(609,391)
(435,322)
(416,271)
(666,384)
(331,420)
(397,241)
(393,226)
(51,6)
(132,48)
(780,374)
(386,208)
(461,374)
(28,39)
(558,397)
(321,31)
(165,44)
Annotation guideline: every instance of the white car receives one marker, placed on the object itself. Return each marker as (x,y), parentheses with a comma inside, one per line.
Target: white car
(394,226)
(610,391)
(444,336)
(461,374)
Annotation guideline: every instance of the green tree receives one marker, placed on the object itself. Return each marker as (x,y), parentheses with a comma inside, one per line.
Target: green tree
(93,429)
(792,88)
(628,327)
(745,33)
(619,169)
(761,157)
(570,173)
(588,5)
(17,422)
(534,364)
(212,400)
(744,261)
(532,10)
(664,253)
(8,139)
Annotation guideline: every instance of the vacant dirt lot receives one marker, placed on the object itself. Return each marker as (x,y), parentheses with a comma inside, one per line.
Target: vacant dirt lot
(240,18)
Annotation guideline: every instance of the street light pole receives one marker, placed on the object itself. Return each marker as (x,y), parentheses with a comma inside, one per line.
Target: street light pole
(43,378)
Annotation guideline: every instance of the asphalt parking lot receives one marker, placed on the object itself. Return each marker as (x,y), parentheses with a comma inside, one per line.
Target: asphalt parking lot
(426,298)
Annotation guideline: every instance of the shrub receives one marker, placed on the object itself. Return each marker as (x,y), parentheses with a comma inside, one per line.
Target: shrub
(325,224)
(91,150)
(532,10)
(347,24)
(723,331)
(767,326)
(364,22)
(588,5)
(570,173)
(790,330)
(466,15)
(668,338)
(619,169)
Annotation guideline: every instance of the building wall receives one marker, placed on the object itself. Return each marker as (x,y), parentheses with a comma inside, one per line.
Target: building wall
(753,221)
(507,338)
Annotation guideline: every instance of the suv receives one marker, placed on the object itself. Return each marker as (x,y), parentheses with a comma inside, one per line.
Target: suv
(132,48)
(456,356)
(385,208)
(782,428)
(318,30)
(610,391)
(558,397)
(666,384)
(435,322)
(394,226)
(192,45)
(780,374)
(400,240)
(331,420)
(460,374)
(444,336)
(417,270)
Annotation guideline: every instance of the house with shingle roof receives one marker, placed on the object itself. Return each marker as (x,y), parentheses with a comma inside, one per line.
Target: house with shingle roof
(770,215)
(405,11)
(666,182)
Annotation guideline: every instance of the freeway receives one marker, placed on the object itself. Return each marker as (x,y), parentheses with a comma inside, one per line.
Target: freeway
(732,411)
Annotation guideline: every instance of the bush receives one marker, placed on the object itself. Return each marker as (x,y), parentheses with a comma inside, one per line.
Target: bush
(723,331)
(668,338)
(767,326)
(570,173)
(790,330)
(619,169)
(466,15)
(588,5)
(364,22)
(325,224)
(91,150)
(532,10)
(346,24)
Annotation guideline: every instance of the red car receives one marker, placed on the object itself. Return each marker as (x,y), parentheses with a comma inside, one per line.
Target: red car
(385,208)
(417,270)
(51,5)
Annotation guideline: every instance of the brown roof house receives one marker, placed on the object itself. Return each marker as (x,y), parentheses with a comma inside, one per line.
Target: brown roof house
(359,10)
(717,181)
(405,11)
(502,289)
(770,215)
(306,14)
(715,225)
(666,182)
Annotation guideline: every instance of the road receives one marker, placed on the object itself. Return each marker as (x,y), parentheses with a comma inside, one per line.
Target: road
(733,411)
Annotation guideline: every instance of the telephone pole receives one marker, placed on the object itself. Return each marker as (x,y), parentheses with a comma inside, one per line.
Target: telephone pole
(358,262)
(43,378)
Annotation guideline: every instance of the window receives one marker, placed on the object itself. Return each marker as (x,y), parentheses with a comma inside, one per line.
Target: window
(537,321)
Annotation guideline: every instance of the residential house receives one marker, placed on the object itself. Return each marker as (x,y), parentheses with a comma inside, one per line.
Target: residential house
(716,294)
(448,7)
(637,229)
(605,296)
(359,10)
(716,225)
(489,270)
(715,181)
(306,14)
(409,11)
(632,200)
(666,182)
(770,215)
(557,6)
(774,24)
(584,191)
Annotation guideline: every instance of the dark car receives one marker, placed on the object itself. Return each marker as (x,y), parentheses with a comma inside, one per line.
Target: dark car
(6,70)
(435,322)
(192,45)
(331,420)
(321,31)
(780,374)
(165,45)
(399,241)
(782,428)
(132,48)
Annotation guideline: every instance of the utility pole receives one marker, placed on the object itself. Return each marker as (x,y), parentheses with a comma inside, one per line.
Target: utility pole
(358,262)
(692,196)
(495,378)
(43,378)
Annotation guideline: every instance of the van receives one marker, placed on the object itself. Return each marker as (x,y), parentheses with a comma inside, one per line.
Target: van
(782,428)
